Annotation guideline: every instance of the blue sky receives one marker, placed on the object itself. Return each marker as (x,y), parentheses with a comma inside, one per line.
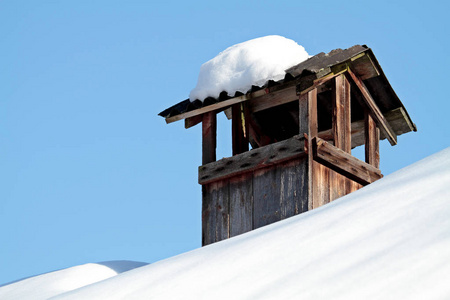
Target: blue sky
(90,173)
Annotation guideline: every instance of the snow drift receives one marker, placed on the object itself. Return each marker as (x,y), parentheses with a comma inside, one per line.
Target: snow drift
(249,63)
(389,240)
(51,284)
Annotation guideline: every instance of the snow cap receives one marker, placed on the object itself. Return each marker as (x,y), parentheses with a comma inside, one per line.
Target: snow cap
(254,62)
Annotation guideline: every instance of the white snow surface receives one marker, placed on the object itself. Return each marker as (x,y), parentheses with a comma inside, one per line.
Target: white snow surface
(54,283)
(389,240)
(253,62)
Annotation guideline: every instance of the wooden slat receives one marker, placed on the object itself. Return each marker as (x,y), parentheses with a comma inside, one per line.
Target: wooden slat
(241,204)
(370,104)
(266,195)
(209,137)
(291,178)
(321,185)
(252,160)
(215,212)
(239,121)
(344,163)
(372,141)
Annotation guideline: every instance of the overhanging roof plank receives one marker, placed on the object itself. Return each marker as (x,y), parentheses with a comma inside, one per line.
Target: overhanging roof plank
(381,121)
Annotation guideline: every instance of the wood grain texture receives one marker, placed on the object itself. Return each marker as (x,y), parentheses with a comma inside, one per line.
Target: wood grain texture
(241,204)
(266,197)
(292,179)
(215,212)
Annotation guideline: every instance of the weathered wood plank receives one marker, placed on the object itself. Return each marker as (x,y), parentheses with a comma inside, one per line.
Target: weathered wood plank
(209,137)
(266,197)
(215,212)
(241,204)
(370,104)
(372,141)
(208,216)
(252,160)
(239,129)
(321,187)
(344,163)
(291,179)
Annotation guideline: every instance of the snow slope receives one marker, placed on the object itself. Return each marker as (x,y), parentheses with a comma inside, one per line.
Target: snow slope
(253,62)
(389,240)
(51,284)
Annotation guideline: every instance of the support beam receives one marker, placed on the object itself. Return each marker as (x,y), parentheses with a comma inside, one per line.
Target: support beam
(344,163)
(372,141)
(209,137)
(239,123)
(375,112)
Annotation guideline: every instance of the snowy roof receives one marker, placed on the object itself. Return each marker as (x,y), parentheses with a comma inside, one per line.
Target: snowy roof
(389,240)
(301,77)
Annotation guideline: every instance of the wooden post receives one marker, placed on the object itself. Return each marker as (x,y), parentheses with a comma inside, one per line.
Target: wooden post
(341,130)
(372,140)
(239,123)
(341,115)
(209,137)
(308,126)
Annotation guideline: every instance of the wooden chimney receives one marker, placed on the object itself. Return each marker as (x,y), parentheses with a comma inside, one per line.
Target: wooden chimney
(301,131)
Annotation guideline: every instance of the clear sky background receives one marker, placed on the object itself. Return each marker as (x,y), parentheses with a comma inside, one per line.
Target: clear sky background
(90,173)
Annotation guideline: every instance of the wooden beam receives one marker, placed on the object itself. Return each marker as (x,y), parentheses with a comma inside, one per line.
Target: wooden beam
(239,129)
(273,99)
(192,121)
(209,137)
(344,163)
(370,104)
(341,123)
(372,141)
(252,160)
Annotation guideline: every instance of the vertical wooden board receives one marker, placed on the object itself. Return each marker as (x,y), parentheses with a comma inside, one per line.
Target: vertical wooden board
(215,212)
(266,197)
(355,186)
(241,204)
(321,185)
(290,180)
(304,184)
(221,199)
(208,215)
